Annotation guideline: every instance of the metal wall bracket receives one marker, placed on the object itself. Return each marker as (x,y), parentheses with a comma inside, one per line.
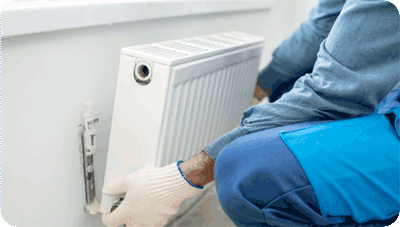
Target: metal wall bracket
(87,147)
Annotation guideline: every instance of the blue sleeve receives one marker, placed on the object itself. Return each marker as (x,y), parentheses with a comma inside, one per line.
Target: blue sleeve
(298,53)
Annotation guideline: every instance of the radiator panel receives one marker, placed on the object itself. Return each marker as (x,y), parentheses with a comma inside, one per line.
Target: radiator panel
(197,92)
(204,108)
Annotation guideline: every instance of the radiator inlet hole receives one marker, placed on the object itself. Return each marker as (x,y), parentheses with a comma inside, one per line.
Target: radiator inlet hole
(143,73)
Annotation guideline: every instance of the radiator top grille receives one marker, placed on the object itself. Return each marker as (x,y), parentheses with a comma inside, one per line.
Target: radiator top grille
(185,50)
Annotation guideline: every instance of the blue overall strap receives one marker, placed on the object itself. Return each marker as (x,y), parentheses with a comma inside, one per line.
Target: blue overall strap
(353,165)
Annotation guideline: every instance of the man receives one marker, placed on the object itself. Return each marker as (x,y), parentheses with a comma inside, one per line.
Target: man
(320,154)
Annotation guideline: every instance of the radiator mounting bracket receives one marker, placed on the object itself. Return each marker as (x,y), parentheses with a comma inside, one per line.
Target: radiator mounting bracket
(87,147)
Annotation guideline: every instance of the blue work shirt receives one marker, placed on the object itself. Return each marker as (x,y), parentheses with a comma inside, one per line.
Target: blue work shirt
(351,49)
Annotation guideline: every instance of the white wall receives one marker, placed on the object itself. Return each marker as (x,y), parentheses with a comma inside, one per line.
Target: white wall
(48,76)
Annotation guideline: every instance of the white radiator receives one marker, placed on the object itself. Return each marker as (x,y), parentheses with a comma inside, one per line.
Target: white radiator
(175,97)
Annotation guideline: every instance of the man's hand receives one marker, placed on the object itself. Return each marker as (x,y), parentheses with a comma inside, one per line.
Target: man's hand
(260,96)
(152,195)
(259,93)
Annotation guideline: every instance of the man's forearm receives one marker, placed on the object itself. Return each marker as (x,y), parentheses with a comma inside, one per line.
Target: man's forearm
(199,169)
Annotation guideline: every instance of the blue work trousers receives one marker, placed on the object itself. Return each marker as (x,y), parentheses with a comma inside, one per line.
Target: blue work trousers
(261,183)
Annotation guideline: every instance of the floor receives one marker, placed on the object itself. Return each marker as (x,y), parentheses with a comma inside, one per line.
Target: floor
(207,212)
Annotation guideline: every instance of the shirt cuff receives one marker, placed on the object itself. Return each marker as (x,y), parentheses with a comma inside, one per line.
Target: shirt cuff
(214,149)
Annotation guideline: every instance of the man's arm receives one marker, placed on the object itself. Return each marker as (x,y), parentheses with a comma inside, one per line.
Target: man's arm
(298,53)
(357,66)
(199,170)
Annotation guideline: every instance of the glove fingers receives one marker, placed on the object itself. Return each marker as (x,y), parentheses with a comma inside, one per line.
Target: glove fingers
(116,187)
(117,217)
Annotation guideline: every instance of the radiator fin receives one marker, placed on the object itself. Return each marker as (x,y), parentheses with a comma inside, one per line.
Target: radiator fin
(221,40)
(180,51)
(184,47)
(203,44)
(160,51)
(198,108)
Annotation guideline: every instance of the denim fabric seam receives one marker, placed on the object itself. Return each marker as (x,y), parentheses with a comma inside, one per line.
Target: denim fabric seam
(285,194)
(252,216)
(295,189)
(301,166)
(244,130)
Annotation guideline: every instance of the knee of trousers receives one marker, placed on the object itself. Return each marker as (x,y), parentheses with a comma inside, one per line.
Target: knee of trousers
(252,173)
(229,185)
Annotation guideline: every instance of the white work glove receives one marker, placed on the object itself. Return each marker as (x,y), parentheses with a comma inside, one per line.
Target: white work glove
(153,194)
